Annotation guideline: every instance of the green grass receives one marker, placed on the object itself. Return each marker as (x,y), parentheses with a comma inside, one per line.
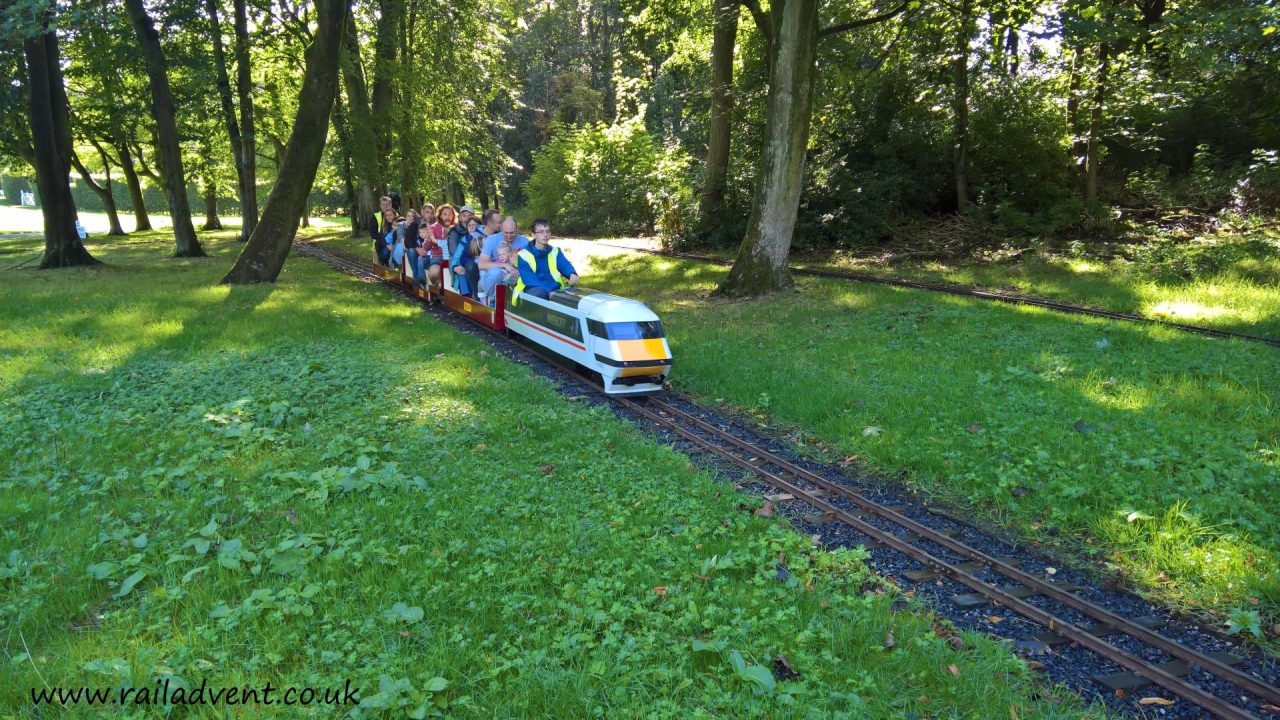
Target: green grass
(311,482)
(1150,450)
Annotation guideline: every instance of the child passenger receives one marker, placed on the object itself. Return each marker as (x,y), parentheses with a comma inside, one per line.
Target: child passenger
(489,281)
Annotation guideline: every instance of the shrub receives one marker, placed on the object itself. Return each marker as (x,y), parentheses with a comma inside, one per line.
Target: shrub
(601,179)
(12,186)
(1200,258)
(1258,191)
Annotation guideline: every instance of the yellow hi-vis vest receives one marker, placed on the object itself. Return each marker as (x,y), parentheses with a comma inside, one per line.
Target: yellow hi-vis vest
(553,259)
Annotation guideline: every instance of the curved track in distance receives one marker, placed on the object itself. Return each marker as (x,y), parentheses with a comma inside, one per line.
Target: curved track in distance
(992,295)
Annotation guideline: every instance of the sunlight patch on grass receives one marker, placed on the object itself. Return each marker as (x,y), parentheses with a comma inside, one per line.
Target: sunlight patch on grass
(1084,267)
(1186,310)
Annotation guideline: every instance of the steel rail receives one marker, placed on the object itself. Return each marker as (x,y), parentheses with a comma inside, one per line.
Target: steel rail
(1055,624)
(984,295)
(1098,613)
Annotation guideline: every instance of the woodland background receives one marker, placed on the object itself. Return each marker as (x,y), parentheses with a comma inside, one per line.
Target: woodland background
(1074,117)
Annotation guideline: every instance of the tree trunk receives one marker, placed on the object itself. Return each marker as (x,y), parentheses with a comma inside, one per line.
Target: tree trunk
(306,213)
(482,193)
(608,86)
(264,255)
(162,109)
(1011,49)
(47,110)
(1093,153)
(711,204)
(1073,120)
(141,220)
(362,142)
(384,69)
(228,114)
(211,219)
(761,264)
(960,137)
(103,193)
(343,131)
(248,132)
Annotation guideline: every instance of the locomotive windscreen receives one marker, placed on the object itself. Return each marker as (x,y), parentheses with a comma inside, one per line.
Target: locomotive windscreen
(646,330)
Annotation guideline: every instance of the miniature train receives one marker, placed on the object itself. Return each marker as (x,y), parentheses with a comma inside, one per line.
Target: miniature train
(616,340)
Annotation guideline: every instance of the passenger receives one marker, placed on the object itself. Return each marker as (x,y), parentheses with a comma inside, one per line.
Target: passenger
(491,279)
(429,256)
(418,248)
(543,268)
(445,217)
(395,239)
(466,275)
(491,271)
(386,237)
(413,218)
(379,227)
(490,223)
(458,233)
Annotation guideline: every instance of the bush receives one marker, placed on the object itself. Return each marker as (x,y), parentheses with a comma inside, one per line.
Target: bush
(602,180)
(1200,258)
(1258,191)
(12,186)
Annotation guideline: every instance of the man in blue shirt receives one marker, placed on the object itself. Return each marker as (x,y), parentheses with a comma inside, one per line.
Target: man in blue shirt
(543,269)
(491,271)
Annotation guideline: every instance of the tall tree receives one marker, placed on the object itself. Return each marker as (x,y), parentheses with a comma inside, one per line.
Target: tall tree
(724,38)
(264,255)
(792,27)
(47,110)
(360,120)
(103,191)
(246,184)
(960,104)
(141,220)
(1093,149)
(384,72)
(248,160)
(163,111)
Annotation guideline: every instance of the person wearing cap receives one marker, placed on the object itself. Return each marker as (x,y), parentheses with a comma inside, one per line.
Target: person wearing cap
(543,268)
(458,233)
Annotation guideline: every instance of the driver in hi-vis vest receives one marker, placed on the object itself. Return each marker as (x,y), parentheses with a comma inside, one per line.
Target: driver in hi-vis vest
(543,269)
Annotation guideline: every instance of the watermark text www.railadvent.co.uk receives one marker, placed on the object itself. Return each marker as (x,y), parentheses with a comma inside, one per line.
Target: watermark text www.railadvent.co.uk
(165,694)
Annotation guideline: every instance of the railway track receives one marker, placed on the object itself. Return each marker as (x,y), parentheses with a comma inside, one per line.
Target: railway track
(1057,607)
(1009,298)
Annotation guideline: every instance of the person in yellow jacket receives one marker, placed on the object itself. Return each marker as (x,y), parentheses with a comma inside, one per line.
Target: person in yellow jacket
(543,268)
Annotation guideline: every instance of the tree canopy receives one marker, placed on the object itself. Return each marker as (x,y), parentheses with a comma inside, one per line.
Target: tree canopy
(766,125)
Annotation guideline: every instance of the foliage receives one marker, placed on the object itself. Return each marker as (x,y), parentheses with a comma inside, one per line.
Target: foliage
(606,180)
(1203,257)
(1258,190)
(243,485)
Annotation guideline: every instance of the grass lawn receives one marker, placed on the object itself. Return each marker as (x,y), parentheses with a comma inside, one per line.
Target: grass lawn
(311,482)
(1239,294)
(1152,450)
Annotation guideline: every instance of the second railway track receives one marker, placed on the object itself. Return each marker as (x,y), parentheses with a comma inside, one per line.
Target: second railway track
(1060,608)
(1010,298)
